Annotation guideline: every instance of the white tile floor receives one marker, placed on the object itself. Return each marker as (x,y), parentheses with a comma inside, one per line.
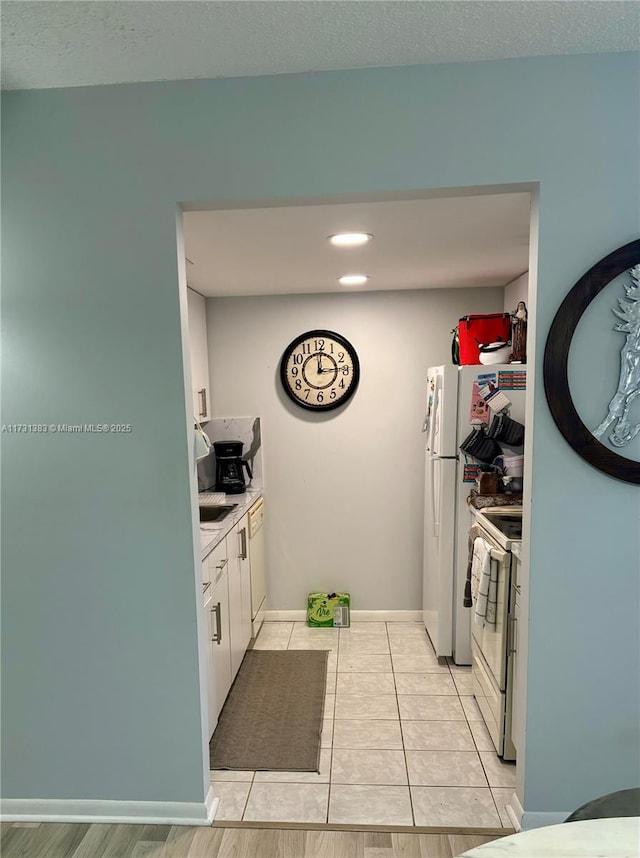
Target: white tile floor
(403,740)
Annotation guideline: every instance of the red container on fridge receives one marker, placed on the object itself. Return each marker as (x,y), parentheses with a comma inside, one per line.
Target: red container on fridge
(474,331)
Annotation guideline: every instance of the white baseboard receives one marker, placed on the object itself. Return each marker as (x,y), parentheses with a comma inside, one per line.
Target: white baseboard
(386,616)
(356,616)
(538,820)
(211,804)
(523,820)
(515,812)
(127,812)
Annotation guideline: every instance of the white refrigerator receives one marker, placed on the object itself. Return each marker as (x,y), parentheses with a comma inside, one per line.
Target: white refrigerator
(455,405)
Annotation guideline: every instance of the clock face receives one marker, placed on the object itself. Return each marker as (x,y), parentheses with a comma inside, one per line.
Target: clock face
(320,370)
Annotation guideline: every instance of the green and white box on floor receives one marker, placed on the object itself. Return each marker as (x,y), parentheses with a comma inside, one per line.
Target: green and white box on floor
(328,610)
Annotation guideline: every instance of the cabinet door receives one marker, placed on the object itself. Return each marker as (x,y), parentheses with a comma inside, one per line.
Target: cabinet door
(217,562)
(245,579)
(239,594)
(517,717)
(199,356)
(238,646)
(212,712)
(220,649)
(258,573)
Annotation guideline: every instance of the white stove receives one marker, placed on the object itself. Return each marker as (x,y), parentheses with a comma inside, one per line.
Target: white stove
(503,523)
(493,646)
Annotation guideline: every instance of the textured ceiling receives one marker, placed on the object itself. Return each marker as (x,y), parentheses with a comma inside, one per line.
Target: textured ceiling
(55,44)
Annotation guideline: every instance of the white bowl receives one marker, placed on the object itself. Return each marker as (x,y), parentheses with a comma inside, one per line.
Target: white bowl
(499,355)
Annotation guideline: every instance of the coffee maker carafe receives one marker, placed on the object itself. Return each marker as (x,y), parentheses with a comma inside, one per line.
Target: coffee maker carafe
(229,465)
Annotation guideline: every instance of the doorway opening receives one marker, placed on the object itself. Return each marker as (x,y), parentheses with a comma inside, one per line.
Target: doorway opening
(344,491)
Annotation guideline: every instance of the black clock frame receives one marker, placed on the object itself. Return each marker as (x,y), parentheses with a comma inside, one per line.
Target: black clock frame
(293,345)
(555,364)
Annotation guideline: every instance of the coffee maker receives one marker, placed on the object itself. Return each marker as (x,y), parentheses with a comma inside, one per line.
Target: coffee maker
(229,465)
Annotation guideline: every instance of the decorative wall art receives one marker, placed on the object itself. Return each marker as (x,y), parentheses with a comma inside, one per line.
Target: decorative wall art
(620,422)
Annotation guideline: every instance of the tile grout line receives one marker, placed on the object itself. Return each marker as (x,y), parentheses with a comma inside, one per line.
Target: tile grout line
(331,746)
(333,727)
(472,736)
(484,770)
(483,767)
(246,801)
(404,750)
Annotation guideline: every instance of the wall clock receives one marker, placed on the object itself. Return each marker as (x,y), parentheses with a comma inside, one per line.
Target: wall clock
(320,370)
(617,426)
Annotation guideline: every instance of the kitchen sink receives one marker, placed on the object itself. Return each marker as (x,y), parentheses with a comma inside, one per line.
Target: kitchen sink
(216,512)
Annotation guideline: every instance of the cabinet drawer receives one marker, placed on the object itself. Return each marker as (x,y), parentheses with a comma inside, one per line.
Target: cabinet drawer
(219,677)
(205,580)
(217,562)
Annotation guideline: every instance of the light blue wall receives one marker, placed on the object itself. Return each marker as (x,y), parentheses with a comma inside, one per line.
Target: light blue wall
(99,682)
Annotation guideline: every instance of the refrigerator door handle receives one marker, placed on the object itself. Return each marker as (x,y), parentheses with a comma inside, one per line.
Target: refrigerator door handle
(437,496)
(429,490)
(433,487)
(434,422)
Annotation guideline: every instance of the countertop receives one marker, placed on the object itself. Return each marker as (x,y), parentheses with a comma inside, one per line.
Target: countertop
(477,501)
(211,533)
(592,838)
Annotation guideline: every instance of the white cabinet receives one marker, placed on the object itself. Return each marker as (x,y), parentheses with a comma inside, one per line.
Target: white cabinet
(519,666)
(212,712)
(239,594)
(216,621)
(220,647)
(245,579)
(199,356)
(206,603)
(226,584)
(257,564)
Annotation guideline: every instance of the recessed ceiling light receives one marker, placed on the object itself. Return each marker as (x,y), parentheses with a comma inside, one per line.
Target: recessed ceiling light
(353,279)
(350,239)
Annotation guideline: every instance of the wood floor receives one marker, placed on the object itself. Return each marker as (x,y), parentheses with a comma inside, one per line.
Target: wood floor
(66,840)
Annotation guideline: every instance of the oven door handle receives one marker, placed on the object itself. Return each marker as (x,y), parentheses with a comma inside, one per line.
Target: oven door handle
(496,553)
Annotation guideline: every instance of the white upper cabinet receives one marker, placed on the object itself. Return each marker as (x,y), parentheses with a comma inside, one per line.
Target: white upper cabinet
(199,356)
